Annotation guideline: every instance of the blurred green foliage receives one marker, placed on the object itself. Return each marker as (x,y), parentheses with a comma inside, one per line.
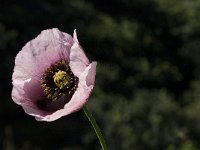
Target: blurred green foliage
(147,93)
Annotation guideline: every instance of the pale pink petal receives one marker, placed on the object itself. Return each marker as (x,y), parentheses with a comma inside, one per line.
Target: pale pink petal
(50,46)
(78,59)
(90,78)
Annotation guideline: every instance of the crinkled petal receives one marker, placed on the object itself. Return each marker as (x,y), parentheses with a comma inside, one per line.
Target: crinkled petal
(78,60)
(49,47)
(80,97)
(37,55)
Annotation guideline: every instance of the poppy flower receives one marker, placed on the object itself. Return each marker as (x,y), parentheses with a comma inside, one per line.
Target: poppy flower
(52,76)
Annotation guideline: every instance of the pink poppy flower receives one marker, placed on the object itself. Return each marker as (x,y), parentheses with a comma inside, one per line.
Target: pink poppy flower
(52,76)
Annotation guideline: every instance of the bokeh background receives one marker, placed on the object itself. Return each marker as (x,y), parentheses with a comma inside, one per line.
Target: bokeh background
(147,93)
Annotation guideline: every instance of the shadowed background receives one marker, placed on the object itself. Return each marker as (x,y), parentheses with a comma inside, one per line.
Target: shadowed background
(147,93)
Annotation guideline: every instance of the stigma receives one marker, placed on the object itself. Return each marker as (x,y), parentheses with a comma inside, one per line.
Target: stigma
(62,79)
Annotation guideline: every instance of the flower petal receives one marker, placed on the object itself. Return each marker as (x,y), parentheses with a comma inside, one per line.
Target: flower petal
(49,47)
(78,60)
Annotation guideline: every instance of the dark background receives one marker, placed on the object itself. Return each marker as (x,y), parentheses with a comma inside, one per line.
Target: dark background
(147,92)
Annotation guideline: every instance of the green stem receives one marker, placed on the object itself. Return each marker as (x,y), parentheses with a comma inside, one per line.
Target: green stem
(96,128)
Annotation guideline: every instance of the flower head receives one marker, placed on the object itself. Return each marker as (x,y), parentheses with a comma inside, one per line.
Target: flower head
(52,76)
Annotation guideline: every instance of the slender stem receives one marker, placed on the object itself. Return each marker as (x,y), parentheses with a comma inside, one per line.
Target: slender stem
(96,128)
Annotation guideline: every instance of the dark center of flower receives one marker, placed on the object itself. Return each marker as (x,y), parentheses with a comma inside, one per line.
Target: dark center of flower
(59,84)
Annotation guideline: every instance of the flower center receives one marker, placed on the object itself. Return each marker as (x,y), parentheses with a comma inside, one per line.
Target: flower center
(59,84)
(62,79)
